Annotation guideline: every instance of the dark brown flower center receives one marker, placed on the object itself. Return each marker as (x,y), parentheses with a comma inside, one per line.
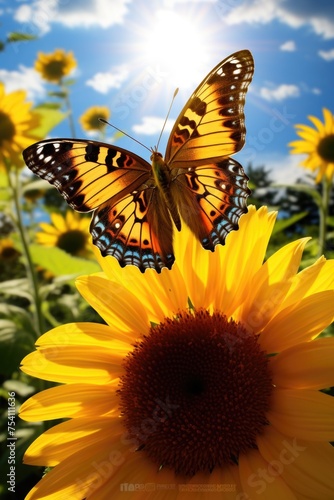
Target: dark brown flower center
(7,128)
(55,70)
(326,148)
(9,253)
(195,392)
(72,242)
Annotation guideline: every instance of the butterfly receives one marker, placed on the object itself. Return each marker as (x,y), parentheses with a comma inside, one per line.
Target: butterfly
(135,204)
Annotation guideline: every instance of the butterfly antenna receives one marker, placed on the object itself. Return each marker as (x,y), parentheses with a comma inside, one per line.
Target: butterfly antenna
(170,107)
(119,130)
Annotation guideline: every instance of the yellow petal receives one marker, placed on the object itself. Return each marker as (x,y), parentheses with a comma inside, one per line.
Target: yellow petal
(96,462)
(169,289)
(316,278)
(328,121)
(46,239)
(48,228)
(259,479)
(309,365)
(115,304)
(307,467)
(307,129)
(68,401)
(59,222)
(241,258)
(300,322)
(270,285)
(303,414)
(313,137)
(317,123)
(72,364)
(72,436)
(195,263)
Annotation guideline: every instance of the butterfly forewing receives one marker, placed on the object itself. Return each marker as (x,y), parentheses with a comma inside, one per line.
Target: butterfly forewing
(87,173)
(211,125)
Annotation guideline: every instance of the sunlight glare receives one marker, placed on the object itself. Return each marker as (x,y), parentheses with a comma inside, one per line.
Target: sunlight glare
(177,45)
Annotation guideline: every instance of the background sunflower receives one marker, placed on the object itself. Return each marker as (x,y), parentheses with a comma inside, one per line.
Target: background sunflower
(69,232)
(318,144)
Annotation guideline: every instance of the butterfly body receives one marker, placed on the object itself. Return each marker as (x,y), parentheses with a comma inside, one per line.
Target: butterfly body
(163,180)
(136,204)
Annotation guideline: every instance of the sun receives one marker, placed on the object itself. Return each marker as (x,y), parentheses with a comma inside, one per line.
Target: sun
(178,46)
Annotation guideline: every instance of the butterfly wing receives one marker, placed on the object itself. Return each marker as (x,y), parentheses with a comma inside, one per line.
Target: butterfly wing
(136,230)
(87,173)
(210,188)
(211,126)
(131,221)
(211,199)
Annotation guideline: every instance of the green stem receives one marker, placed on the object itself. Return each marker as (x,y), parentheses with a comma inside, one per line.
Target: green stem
(323,214)
(69,109)
(38,316)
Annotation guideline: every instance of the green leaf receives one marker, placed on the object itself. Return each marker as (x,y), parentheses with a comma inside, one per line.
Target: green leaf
(49,118)
(60,263)
(330,221)
(54,93)
(15,36)
(18,288)
(5,192)
(12,311)
(282,224)
(51,105)
(69,81)
(8,330)
(19,387)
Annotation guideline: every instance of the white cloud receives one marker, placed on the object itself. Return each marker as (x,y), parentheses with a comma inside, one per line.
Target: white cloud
(328,55)
(113,79)
(40,14)
(288,46)
(319,15)
(25,79)
(171,3)
(285,169)
(316,91)
(280,92)
(152,125)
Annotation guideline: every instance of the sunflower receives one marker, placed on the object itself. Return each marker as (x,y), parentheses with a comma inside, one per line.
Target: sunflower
(54,66)
(89,120)
(8,252)
(17,120)
(70,233)
(205,380)
(318,144)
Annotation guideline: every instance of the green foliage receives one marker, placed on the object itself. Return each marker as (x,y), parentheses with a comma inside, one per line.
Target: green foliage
(60,263)
(15,36)
(49,118)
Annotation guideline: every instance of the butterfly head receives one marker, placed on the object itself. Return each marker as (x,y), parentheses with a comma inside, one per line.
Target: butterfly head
(155,154)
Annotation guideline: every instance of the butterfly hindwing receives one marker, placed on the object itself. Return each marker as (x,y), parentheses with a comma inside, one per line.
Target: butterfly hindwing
(87,173)
(211,125)
(136,230)
(211,199)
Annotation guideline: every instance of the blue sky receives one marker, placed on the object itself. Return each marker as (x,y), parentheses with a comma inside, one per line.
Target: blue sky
(133,54)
